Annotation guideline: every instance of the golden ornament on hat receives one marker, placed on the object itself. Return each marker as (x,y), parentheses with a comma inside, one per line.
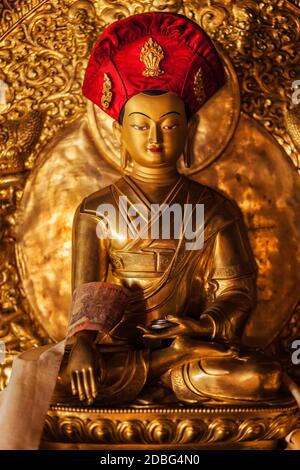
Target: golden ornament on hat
(106,92)
(151,55)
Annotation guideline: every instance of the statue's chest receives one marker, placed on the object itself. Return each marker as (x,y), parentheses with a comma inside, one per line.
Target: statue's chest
(142,259)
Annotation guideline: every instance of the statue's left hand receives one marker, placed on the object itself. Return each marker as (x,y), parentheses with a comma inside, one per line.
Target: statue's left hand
(182,326)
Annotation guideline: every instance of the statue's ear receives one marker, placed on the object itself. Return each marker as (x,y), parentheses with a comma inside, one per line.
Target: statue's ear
(192,126)
(189,144)
(117,131)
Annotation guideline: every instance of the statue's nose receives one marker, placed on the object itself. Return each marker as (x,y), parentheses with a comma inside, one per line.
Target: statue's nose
(154,136)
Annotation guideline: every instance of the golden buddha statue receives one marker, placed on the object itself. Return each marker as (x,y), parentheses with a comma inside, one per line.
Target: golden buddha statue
(154,321)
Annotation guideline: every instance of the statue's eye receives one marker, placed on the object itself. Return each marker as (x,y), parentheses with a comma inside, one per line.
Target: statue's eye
(170,128)
(140,128)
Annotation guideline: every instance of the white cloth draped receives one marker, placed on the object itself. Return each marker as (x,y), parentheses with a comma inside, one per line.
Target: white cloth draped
(25,401)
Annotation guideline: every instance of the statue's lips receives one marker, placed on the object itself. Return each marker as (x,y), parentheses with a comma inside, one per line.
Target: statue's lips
(155,149)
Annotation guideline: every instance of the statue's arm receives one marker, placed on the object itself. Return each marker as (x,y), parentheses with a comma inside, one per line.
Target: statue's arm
(89,270)
(89,253)
(232,282)
(89,265)
(97,304)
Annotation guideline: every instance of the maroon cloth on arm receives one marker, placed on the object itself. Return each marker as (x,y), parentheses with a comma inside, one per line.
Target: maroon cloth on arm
(97,306)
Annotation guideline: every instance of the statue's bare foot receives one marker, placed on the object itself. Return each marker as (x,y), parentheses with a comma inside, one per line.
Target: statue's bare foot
(156,394)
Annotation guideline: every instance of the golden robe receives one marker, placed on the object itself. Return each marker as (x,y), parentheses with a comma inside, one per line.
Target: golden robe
(216,282)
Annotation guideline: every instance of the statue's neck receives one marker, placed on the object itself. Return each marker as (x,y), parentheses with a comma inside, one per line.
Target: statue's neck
(162,176)
(155,183)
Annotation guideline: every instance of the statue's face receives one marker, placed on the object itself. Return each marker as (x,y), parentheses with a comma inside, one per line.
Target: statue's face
(154,129)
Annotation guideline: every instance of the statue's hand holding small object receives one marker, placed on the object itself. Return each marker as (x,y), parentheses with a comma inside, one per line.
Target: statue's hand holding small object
(82,369)
(186,334)
(171,327)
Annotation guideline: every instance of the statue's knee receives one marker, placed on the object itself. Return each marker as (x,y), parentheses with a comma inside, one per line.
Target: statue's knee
(261,379)
(271,378)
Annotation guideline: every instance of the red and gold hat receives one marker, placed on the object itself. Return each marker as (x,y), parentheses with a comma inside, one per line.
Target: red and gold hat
(152,51)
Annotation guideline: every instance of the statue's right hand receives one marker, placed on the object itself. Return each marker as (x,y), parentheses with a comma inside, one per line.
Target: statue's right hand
(82,370)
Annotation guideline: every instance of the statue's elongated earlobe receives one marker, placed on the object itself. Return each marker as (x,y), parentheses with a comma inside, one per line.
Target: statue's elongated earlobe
(124,155)
(186,154)
(189,144)
(118,137)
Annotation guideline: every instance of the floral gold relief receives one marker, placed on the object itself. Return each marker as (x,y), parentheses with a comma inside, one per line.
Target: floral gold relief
(151,55)
(106,92)
(168,428)
(44,46)
(198,86)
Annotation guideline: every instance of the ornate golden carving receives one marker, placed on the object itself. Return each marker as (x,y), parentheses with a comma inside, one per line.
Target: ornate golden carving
(17,140)
(265,58)
(38,40)
(198,86)
(151,56)
(169,426)
(44,46)
(17,329)
(106,92)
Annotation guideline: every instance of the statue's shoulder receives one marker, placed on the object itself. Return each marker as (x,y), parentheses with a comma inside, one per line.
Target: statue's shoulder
(94,200)
(215,202)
